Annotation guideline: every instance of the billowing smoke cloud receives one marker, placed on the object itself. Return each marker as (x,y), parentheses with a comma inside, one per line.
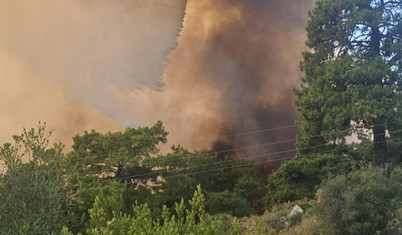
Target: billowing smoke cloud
(62,60)
(27,98)
(233,72)
(81,64)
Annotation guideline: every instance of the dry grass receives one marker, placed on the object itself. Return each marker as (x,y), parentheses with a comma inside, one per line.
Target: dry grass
(307,226)
(276,221)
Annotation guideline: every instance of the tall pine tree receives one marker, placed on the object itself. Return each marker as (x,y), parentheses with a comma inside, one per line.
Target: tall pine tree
(352,76)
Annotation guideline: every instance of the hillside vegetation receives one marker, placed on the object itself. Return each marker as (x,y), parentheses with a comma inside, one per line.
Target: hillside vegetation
(119,183)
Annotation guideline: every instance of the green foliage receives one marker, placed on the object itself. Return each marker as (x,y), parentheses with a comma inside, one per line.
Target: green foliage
(33,195)
(351,86)
(307,226)
(181,170)
(125,157)
(295,219)
(64,231)
(250,188)
(113,155)
(227,202)
(117,184)
(277,220)
(360,203)
(185,221)
(352,75)
(108,204)
(394,225)
(298,178)
(97,159)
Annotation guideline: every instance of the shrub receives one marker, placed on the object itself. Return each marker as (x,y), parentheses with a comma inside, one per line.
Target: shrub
(227,202)
(298,178)
(359,203)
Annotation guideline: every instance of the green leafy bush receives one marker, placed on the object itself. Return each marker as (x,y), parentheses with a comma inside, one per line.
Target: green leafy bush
(184,221)
(227,202)
(298,178)
(359,203)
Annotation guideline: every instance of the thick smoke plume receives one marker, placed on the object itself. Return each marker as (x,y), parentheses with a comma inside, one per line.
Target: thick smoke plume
(233,72)
(81,64)
(62,60)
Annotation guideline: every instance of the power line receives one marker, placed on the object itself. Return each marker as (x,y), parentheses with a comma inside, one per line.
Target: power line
(254,146)
(239,159)
(259,131)
(294,126)
(245,147)
(248,147)
(218,169)
(263,144)
(271,160)
(223,162)
(231,167)
(279,142)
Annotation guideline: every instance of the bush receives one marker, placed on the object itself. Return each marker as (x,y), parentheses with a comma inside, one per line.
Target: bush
(394,225)
(193,220)
(277,219)
(295,219)
(298,178)
(227,202)
(359,203)
(308,225)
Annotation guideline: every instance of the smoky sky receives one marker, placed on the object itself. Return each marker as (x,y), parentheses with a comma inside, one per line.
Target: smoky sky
(62,60)
(232,69)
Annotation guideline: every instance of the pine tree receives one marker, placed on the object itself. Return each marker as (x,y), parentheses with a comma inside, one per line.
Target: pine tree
(352,75)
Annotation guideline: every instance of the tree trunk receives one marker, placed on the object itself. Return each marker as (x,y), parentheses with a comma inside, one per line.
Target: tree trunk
(380,144)
(119,171)
(380,141)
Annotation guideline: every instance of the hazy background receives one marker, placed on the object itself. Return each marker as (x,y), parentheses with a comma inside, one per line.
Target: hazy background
(82,64)
(61,59)
(233,71)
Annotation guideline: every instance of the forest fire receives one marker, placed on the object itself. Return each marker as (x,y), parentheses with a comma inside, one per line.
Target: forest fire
(228,80)
(232,72)
(179,117)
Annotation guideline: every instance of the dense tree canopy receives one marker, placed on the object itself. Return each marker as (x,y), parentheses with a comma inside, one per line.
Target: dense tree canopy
(351,89)
(97,159)
(352,76)
(128,164)
(360,203)
(33,194)
(119,183)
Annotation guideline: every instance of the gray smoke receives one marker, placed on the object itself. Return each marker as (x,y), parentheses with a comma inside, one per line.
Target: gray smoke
(233,71)
(64,60)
